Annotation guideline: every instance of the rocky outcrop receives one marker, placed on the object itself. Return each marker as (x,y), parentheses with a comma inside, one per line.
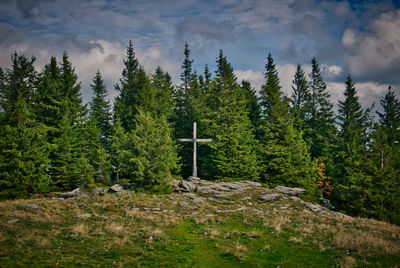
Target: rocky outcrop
(289,191)
(201,192)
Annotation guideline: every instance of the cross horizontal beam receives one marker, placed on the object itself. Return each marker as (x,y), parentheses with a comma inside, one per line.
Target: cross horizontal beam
(195,140)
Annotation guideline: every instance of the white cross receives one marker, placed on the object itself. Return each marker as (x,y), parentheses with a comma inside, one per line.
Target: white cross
(195,140)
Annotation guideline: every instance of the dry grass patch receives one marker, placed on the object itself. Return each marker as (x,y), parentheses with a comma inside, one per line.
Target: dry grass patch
(240,251)
(296,240)
(122,242)
(211,232)
(80,230)
(366,243)
(117,229)
(348,262)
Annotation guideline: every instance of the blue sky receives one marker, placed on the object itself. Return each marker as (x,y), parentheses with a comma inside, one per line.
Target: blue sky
(357,37)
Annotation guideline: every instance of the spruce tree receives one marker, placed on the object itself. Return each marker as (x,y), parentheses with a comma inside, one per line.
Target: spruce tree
(70,90)
(95,152)
(188,109)
(384,163)
(49,99)
(125,103)
(147,154)
(252,104)
(390,118)
(70,168)
(350,167)
(23,147)
(301,99)
(322,135)
(233,149)
(284,155)
(161,81)
(100,110)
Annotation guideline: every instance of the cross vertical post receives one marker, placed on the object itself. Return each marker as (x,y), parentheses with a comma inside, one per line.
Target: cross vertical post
(195,140)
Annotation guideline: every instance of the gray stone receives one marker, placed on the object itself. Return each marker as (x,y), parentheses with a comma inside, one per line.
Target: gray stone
(187,186)
(187,206)
(231,210)
(315,208)
(78,192)
(29,207)
(99,191)
(268,197)
(13,221)
(289,191)
(174,184)
(84,216)
(326,203)
(116,188)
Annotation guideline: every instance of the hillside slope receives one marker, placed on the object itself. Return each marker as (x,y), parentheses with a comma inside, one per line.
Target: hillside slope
(213,225)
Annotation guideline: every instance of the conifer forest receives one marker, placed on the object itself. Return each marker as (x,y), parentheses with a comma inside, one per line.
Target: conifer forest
(51,141)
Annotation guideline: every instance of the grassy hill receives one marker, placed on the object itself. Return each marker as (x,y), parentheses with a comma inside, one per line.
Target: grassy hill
(181,229)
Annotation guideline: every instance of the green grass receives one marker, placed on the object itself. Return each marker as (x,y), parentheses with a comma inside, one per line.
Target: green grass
(154,231)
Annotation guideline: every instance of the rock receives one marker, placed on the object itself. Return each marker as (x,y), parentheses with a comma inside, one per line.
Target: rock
(231,210)
(29,207)
(187,186)
(315,208)
(174,184)
(295,198)
(99,191)
(326,203)
(123,192)
(289,191)
(187,206)
(268,197)
(84,216)
(13,221)
(116,188)
(78,192)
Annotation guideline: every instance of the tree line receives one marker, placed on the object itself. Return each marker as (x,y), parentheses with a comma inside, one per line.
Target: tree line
(51,141)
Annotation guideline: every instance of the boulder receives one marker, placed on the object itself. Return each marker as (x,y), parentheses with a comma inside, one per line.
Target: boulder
(99,191)
(326,203)
(84,216)
(289,191)
(115,188)
(187,186)
(78,192)
(315,208)
(29,207)
(268,197)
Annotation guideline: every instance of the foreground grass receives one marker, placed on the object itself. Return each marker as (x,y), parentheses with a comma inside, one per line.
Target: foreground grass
(156,230)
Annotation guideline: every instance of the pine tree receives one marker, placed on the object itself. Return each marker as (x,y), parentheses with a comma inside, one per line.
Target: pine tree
(23,147)
(70,90)
(188,109)
(390,118)
(147,154)
(233,154)
(322,121)
(161,81)
(49,99)
(70,167)
(125,103)
(384,163)
(100,110)
(350,167)
(252,104)
(284,155)
(95,152)
(301,99)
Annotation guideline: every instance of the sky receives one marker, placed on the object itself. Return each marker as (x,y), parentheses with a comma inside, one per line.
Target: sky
(357,37)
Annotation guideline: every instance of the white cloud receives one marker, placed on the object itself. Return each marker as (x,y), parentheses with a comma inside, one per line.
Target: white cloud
(375,54)
(331,71)
(256,78)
